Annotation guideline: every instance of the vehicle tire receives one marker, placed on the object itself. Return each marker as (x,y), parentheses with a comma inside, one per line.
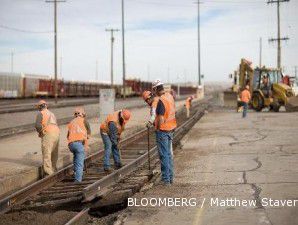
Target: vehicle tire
(257,102)
(275,106)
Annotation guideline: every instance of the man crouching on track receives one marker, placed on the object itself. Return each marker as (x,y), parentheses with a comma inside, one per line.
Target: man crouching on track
(48,131)
(165,124)
(152,101)
(78,133)
(110,131)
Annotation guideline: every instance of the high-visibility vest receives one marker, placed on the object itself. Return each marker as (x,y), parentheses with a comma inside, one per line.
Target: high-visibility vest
(49,122)
(188,102)
(169,116)
(77,130)
(114,117)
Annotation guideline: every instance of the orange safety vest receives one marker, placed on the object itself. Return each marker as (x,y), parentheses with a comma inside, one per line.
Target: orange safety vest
(188,103)
(114,117)
(77,130)
(245,96)
(169,116)
(49,122)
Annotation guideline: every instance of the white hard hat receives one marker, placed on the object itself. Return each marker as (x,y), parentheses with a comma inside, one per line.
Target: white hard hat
(156,83)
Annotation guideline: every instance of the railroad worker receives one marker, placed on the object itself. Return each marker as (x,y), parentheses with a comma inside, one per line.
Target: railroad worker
(265,86)
(244,100)
(78,133)
(110,131)
(165,124)
(188,105)
(152,101)
(48,130)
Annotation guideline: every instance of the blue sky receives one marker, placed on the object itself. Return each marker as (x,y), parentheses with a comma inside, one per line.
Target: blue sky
(161,36)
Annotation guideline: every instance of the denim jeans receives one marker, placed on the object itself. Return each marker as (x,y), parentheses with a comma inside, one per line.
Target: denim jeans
(245,108)
(164,145)
(77,148)
(108,146)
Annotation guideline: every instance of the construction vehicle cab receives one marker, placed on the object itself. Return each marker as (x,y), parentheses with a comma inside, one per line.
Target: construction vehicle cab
(266,86)
(267,89)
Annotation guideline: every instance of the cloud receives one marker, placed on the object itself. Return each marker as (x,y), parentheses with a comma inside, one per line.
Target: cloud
(161,37)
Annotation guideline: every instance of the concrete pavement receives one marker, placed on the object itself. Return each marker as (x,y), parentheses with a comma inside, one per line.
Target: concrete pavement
(228,162)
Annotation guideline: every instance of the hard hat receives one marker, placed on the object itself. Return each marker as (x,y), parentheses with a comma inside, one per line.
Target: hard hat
(146,95)
(80,111)
(41,102)
(156,83)
(125,114)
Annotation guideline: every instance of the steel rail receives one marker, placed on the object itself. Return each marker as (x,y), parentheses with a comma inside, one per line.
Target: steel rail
(96,189)
(90,191)
(78,216)
(8,132)
(22,195)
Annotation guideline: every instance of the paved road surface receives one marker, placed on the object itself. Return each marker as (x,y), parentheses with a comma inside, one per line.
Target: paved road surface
(223,157)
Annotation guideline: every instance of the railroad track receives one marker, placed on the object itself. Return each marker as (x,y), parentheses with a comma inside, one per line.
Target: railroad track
(58,191)
(21,129)
(7,132)
(17,106)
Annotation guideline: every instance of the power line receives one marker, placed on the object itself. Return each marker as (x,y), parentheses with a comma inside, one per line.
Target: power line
(24,31)
(189,4)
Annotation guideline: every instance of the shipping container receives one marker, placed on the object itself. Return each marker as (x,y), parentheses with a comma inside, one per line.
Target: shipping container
(11,85)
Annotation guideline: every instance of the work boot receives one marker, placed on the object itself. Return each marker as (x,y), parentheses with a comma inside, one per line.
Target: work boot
(108,170)
(117,167)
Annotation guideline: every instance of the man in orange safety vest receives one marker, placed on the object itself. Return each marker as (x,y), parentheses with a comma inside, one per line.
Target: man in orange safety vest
(165,125)
(48,130)
(78,133)
(110,131)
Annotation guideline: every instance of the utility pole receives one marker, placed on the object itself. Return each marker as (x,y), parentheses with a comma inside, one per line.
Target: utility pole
(168,75)
(55,46)
(260,64)
(148,72)
(112,53)
(278,39)
(96,70)
(199,45)
(60,68)
(123,50)
(178,86)
(11,61)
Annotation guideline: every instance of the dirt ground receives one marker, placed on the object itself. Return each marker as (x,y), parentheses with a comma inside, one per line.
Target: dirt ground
(36,218)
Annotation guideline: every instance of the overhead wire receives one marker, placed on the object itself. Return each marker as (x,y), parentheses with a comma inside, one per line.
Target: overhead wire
(24,31)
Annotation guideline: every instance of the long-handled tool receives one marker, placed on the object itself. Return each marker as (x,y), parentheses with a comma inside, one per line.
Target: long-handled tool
(148,138)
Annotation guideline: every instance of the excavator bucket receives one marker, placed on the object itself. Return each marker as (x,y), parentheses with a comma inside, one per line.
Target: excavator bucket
(292,104)
(230,98)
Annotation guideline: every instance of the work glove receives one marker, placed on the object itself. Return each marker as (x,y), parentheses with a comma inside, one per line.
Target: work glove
(149,124)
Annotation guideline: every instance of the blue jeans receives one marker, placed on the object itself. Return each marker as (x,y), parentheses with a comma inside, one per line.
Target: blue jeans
(77,148)
(109,147)
(164,145)
(245,108)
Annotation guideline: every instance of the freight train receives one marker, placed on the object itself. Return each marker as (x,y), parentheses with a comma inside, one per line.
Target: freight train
(20,85)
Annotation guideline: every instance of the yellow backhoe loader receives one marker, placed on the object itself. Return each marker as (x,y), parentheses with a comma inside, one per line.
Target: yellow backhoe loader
(266,87)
